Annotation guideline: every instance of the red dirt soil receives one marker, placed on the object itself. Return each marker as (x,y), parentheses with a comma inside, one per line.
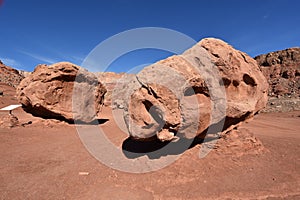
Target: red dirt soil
(43,160)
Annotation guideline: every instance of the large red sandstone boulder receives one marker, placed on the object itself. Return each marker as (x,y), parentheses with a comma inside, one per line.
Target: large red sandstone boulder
(210,88)
(62,91)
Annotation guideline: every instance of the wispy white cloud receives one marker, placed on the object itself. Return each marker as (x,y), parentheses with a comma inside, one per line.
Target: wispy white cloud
(73,59)
(10,62)
(77,59)
(266,16)
(56,57)
(39,57)
(64,56)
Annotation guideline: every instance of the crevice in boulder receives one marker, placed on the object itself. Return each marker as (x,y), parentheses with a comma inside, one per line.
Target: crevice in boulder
(148,88)
(190,91)
(63,78)
(199,62)
(244,57)
(154,112)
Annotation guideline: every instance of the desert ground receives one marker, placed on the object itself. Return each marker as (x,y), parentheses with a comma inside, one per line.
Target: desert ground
(45,160)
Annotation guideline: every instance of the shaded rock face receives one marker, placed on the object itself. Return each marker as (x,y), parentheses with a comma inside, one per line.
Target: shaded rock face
(62,91)
(282,69)
(110,80)
(210,88)
(9,75)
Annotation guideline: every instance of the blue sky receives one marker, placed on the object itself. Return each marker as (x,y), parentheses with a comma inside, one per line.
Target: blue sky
(47,31)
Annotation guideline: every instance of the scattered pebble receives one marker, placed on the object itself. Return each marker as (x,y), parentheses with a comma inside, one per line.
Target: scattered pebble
(83,173)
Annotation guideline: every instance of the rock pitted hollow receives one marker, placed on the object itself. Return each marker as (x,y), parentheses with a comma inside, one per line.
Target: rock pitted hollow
(62,91)
(210,88)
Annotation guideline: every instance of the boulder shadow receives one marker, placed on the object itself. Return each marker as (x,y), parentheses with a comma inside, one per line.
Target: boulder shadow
(46,114)
(155,149)
(94,122)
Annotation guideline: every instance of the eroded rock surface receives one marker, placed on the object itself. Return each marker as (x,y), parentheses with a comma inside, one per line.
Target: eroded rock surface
(208,89)
(62,91)
(9,75)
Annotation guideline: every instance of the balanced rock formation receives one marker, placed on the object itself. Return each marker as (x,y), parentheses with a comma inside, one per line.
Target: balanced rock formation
(62,91)
(208,89)
(282,69)
(9,75)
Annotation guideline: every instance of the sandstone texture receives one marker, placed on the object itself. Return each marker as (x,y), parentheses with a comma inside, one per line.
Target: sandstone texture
(210,88)
(245,85)
(62,91)
(9,75)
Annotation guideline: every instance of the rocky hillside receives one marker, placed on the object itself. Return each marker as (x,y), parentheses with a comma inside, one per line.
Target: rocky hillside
(9,75)
(282,69)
